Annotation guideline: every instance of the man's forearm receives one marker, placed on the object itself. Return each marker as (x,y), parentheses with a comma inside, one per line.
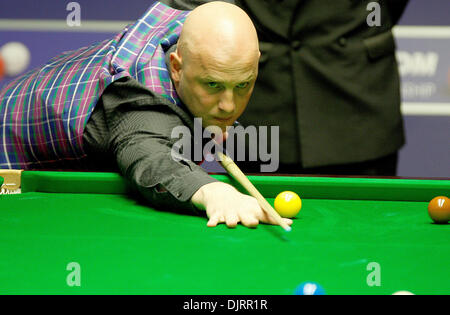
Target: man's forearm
(144,157)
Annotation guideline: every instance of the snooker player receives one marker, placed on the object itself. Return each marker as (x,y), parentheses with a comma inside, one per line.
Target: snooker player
(116,103)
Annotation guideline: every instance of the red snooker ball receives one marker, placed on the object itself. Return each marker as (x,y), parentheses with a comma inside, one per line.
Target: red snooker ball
(2,68)
(439,209)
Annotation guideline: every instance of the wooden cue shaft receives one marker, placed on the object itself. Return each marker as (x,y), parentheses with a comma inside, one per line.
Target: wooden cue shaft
(237,174)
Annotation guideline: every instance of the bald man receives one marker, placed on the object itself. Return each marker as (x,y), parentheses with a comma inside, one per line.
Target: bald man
(114,105)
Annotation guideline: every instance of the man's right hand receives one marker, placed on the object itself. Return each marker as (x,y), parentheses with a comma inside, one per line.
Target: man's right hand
(225,204)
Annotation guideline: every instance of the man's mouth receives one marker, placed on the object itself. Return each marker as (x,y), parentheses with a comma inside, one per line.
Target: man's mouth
(223,119)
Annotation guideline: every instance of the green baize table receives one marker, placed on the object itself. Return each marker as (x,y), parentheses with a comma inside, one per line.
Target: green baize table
(84,233)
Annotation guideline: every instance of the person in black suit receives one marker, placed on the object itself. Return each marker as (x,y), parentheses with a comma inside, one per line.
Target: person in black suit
(329,81)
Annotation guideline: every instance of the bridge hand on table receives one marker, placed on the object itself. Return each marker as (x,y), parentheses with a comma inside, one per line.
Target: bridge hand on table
(225,204)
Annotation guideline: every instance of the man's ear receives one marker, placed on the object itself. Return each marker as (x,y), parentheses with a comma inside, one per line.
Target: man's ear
(175,66)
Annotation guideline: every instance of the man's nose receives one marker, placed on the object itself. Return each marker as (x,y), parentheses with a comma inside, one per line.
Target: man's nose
(226,103)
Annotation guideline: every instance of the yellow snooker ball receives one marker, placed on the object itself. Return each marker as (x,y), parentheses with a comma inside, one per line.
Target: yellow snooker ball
(288,204)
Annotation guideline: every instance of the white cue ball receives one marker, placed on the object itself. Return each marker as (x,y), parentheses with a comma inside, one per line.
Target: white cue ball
(16,57)
(403,293)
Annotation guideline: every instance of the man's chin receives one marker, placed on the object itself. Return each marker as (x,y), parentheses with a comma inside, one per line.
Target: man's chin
(215,127)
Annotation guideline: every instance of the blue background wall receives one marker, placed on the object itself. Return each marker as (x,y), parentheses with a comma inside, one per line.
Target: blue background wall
(427,116)
(419,12)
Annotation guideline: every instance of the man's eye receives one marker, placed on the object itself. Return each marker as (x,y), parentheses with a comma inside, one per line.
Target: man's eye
(242,85)
(213,85)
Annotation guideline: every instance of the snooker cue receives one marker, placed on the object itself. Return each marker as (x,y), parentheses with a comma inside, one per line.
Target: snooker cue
(237,174)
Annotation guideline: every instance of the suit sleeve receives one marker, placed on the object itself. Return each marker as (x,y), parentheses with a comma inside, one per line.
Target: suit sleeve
(140,129)
(396,9)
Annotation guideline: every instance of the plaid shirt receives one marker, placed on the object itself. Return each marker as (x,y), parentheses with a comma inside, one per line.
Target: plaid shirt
(44,112)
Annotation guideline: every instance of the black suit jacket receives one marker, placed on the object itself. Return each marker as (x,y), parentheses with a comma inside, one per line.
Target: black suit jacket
(327,79)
